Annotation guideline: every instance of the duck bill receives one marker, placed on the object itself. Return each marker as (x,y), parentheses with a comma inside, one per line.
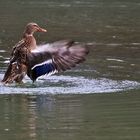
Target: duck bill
(42,30)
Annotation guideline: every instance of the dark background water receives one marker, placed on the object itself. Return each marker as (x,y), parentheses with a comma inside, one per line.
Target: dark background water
(59,107)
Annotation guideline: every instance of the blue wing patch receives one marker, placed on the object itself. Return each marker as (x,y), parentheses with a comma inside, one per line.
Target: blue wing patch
(42,69)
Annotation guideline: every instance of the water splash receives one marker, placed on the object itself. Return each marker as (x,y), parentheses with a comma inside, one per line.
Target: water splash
(69,85)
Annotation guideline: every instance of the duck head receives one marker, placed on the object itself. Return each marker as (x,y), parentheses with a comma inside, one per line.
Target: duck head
(31,28)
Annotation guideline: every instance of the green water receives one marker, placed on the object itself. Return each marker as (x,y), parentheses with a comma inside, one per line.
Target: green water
(98,100)
(86,117)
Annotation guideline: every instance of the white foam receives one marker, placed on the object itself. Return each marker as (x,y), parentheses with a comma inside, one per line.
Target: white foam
(69,85)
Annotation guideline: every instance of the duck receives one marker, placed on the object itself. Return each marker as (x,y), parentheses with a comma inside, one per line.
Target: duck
(28,58)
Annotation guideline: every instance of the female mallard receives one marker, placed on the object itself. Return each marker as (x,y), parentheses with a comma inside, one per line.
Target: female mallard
(47,59)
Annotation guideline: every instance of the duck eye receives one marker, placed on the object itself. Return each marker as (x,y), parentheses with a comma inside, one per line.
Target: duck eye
(35,25)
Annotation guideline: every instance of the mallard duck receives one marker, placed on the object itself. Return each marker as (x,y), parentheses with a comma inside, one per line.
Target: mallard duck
(35,61)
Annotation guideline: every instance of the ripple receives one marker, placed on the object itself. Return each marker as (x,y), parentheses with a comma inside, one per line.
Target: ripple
(69,85)
(113,59)
(1,51)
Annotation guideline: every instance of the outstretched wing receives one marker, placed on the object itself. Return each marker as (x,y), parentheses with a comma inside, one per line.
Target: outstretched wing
(56,57)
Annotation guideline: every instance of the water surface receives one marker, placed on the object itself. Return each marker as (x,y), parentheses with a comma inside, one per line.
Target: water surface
(93,116)
(99,99)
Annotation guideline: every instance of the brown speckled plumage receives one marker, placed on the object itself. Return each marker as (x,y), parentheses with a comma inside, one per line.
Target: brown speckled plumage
(17,68)
(35,61)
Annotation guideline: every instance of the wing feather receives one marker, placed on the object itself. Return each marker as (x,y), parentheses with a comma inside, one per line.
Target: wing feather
(55,57)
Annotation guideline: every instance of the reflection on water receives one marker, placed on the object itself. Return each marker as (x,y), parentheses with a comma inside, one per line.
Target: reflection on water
(32,116)
(41,117)
(96,116)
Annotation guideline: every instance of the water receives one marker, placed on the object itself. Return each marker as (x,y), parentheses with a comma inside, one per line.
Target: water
(96,100)
(93,116)
(69,85)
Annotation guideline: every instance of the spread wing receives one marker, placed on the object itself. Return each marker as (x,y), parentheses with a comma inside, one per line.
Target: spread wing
(55,57)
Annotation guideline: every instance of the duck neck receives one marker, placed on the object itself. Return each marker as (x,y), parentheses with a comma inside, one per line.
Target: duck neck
(29,36)
(26,34)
